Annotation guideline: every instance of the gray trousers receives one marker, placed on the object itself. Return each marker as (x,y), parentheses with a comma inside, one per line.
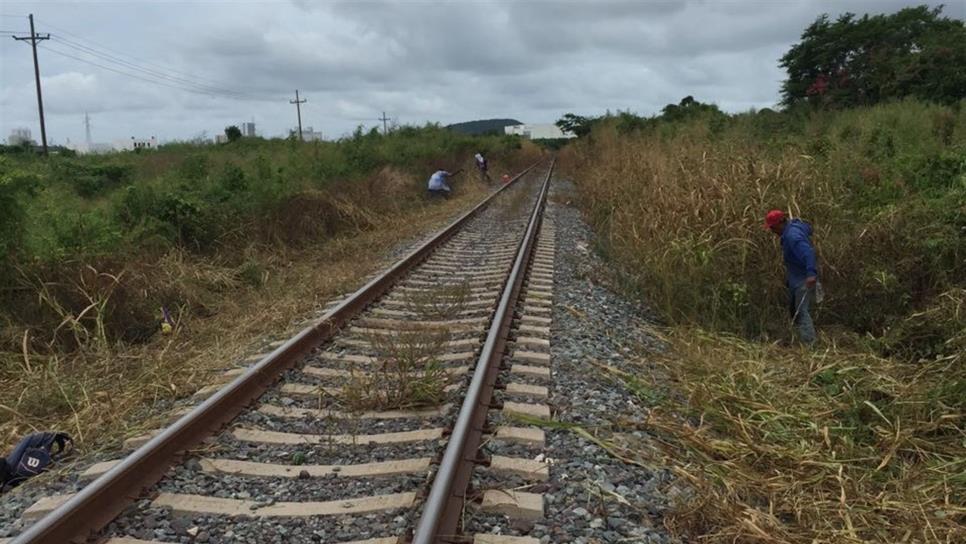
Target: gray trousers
(801,301)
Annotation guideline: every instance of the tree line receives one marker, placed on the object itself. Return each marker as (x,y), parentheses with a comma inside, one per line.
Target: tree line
(855,61)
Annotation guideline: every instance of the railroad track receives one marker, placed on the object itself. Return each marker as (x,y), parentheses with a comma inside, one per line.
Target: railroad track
(368,426)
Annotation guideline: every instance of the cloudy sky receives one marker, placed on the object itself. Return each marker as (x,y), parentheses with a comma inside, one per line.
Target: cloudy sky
(176,69)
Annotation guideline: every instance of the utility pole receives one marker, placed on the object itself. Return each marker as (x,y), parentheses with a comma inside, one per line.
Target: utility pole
(385,128)
(87,129)
(33,39)
(298,108)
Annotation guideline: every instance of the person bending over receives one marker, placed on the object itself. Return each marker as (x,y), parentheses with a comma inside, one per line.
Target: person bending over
(437,183)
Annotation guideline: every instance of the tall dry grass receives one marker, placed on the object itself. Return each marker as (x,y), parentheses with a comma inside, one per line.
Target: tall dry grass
(679,208)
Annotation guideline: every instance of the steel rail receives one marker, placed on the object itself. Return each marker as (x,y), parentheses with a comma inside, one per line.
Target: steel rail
(442,510)
(98,503)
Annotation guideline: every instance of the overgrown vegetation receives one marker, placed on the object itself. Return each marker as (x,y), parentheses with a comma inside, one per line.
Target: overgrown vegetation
(122,213)
(233,239)
(860,440)
(679,205)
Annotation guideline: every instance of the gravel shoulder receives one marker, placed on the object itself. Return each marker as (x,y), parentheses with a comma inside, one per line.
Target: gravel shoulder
(593,496)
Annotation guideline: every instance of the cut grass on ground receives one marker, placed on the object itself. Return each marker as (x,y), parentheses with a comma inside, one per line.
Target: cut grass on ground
(785,445)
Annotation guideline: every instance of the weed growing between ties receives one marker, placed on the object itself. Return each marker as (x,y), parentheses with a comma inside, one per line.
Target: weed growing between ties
(407,372)
(444,302)
(102,391)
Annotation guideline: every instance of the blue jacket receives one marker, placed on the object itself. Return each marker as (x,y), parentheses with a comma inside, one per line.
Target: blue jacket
(799,253)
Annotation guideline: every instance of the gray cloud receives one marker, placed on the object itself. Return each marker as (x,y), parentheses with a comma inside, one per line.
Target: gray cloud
(419,61)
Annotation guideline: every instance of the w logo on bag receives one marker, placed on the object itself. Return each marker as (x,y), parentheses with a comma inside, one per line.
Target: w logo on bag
(33,455)
(34,461)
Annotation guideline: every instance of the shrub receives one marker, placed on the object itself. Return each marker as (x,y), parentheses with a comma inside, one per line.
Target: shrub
(194,167)
(90,181)
(83,234)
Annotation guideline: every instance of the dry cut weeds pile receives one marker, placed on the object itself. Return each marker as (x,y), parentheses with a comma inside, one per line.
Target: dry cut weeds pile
(837,445)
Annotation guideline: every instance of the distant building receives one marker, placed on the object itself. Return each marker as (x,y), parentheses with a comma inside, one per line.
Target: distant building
(221,139)
(308,134)
(311,135)
(136,143)
(537,132)
(19,135)
(248,129)
(93,147)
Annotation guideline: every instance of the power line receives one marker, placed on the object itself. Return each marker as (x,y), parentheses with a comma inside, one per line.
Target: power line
(152,73)
(122,72)
(108,50)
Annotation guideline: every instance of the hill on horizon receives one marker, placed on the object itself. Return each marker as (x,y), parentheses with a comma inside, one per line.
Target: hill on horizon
(483,126)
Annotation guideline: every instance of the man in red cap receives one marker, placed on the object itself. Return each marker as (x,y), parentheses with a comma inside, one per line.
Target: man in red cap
(801,269)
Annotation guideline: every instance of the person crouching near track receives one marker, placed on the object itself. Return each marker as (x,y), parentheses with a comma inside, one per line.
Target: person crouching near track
(482,167)
(801,270)
(437,183)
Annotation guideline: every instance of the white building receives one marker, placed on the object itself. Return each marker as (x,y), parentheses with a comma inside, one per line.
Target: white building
(221,139)
(248,129)
(537,132)
(308,134)
(93,147)
(136,143)
(19,135)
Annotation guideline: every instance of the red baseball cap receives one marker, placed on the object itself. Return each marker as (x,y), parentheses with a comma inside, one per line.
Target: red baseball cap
(773,218)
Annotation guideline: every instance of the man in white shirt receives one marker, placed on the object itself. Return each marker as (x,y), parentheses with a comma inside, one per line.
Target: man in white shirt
(437,183)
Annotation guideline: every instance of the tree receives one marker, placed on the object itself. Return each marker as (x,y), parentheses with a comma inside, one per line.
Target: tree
(233,133)
(687,108)
(575,124)
(859,61)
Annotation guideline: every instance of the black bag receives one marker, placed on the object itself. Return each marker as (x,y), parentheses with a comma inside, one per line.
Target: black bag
(32,456)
